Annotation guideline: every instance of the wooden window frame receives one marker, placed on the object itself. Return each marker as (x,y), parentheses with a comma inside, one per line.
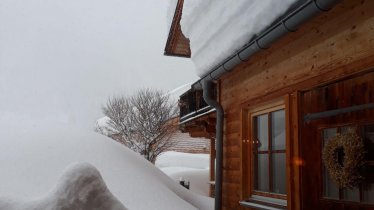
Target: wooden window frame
(294,162)
(247,156)
(265,110)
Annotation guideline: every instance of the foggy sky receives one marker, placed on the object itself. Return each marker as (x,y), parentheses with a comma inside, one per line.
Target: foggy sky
(61,59)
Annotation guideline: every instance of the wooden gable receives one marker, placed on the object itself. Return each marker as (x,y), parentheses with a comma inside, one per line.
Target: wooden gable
(177,44)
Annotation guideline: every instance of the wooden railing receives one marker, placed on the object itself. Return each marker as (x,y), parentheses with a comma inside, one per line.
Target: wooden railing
(192,103)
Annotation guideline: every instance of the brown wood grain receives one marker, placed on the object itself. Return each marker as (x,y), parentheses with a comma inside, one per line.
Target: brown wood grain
(345,93)
(331,48)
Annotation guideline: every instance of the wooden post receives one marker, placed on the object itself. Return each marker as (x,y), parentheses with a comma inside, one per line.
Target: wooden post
(212,166)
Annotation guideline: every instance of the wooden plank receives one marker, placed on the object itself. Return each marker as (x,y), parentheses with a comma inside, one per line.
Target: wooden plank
(294,161)
(337,95)
(231,152)
(212,165)
(231,128)
(232,163)
(232,140)
(244,157)
(311,61)
(334,46)
(232,177)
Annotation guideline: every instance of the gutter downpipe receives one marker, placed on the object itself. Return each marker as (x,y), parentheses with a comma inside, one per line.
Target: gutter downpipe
(210,99)
(288,24)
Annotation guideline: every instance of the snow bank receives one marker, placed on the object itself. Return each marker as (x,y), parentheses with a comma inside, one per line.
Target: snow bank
(102,126)
(80,187)
(191,167)
(179,159)
(218,28)
(198,178)
(32,159)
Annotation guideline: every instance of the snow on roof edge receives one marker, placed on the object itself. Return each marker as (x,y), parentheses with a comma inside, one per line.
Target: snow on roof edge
(228,26)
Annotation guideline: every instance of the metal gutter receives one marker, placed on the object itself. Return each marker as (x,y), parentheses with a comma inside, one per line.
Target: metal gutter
(290,23)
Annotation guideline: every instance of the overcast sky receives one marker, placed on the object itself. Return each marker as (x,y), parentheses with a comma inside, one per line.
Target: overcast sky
(61,59)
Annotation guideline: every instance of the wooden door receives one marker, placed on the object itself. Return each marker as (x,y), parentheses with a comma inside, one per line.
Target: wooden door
(325,111)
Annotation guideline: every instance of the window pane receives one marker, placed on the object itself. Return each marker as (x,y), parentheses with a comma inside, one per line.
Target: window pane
(369,141)
(351,195)
(278,130)
(345,129)
(279,173)
(368,185)
(330,190)
(328,133)
(262,132)
(368,195)
(262,182)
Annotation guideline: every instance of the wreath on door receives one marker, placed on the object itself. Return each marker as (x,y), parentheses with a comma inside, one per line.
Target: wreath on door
(343,157)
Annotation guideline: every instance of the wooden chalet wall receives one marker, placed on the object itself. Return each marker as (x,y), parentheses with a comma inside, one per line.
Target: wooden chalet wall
(332,46)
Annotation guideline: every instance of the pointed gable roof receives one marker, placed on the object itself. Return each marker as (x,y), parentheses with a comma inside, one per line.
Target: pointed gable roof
(177,44)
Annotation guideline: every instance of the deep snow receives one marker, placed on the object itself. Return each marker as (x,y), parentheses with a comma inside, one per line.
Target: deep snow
(185,166)
(33,158)
(81,187)
(218,28)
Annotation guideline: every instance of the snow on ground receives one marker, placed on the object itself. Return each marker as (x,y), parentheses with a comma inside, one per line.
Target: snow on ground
(33,159)
(102,126)
(218,28)
(80,187)
(191,167)
(180,159)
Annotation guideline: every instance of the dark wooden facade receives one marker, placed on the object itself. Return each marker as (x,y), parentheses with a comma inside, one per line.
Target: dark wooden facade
(328,64)
(345,94)
(325,65)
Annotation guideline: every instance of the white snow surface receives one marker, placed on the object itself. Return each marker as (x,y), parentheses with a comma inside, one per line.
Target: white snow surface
(80,187)
(180,159)
(102,126)
(185,166)
(177,92)
(172,4)
(198,178)
(32,160)
(218,28)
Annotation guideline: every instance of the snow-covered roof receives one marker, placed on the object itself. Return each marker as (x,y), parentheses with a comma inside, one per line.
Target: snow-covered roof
(217,29)
(32,161)
(185,166)
(185,143)
(178,91)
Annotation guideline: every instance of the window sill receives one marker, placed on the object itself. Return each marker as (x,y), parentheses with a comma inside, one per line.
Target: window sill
(264,203)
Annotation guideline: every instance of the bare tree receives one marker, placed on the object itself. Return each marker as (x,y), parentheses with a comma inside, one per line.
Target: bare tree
(143,121)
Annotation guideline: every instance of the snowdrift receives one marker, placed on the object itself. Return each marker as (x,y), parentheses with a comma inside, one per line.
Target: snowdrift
(80,187)
(33,159)
(185,166)
(217,29)
(180,159)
